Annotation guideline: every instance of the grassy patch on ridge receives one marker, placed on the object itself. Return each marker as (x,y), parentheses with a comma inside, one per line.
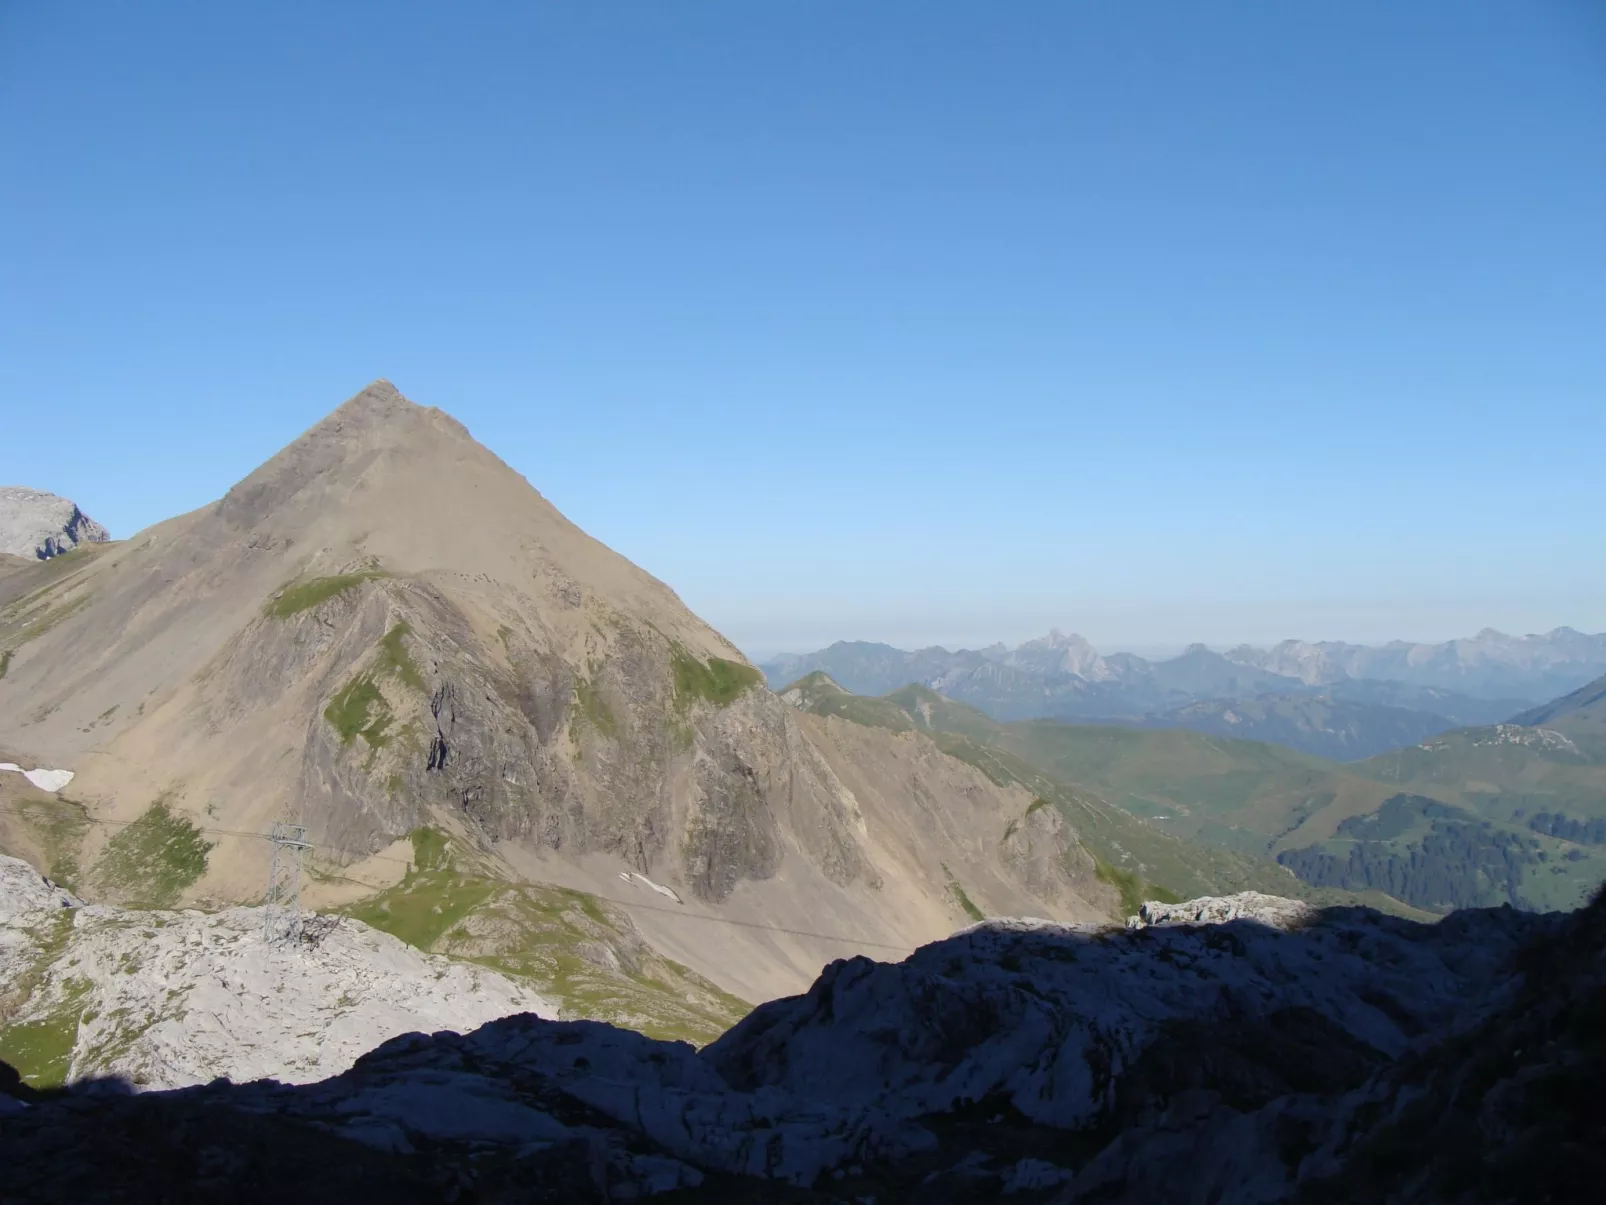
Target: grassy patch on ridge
(394,658)
(294,599)
(32,621)
(595,708)
(152,862)
(1134,891)
(41,1049)
(564,943)
(360,710)
(716,681)
(966,904)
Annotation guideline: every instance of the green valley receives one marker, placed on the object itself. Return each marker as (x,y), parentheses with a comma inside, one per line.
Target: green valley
(1125,840)
(1472,818)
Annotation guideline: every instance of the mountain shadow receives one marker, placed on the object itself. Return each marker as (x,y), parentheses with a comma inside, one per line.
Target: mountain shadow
(1239,1049)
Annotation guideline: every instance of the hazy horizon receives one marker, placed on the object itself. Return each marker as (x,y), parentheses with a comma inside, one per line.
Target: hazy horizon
(761,650)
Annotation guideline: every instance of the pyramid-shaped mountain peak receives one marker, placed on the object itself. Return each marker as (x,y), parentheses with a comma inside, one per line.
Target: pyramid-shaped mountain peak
(385,629)
(333,464)
(384,482)
(382,414)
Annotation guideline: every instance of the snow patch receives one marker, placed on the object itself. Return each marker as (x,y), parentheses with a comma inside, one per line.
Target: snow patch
(642,880)
(45,780)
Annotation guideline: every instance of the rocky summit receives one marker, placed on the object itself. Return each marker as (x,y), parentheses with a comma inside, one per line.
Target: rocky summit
(37,525)
(1272,1054)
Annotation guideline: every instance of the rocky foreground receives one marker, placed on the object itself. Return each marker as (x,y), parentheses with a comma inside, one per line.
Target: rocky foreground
(158,999)
(1240,1050)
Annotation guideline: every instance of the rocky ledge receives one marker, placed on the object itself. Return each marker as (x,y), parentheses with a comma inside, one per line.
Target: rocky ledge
(1187,1059)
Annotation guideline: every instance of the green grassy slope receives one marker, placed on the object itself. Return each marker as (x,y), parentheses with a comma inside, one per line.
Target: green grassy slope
(1502,773)
(1581,715)
(1123,842)
(1475,817)
(1239,795)
(1537,794)
(571,946)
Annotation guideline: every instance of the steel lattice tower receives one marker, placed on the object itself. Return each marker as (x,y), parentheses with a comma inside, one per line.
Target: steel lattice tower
(281,915)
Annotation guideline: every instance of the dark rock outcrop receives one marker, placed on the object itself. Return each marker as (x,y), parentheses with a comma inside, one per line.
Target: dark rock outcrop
(1348,1056)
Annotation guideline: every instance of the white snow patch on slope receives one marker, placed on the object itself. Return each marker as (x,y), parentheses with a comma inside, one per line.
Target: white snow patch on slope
(45,780)
(632,877)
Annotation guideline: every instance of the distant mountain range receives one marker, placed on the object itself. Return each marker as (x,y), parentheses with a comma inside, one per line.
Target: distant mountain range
(1488,665)
(1335,700)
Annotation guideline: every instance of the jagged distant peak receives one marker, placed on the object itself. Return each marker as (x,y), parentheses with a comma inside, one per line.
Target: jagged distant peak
(40,525)
(1060,652)
(1057,638)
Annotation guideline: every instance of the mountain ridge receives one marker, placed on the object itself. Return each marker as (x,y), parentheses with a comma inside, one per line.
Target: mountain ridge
(1582,709)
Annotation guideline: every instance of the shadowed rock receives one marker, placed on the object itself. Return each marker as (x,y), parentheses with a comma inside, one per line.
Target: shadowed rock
(1178,1062)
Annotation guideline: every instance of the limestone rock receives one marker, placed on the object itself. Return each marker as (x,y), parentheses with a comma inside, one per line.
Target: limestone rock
(170,999)
(23,889)
(36,524)
(1273,910)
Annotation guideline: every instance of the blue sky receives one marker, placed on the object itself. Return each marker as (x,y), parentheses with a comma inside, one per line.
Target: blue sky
(908,321)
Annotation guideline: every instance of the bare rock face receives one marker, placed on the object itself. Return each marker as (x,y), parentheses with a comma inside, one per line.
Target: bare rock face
(1042,851)
(169,999)
(40,525)
(23,889)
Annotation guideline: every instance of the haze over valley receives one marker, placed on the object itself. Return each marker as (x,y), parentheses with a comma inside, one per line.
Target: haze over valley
(1339,700)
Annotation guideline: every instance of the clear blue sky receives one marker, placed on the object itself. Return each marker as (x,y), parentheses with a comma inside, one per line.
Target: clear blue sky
(906,321)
